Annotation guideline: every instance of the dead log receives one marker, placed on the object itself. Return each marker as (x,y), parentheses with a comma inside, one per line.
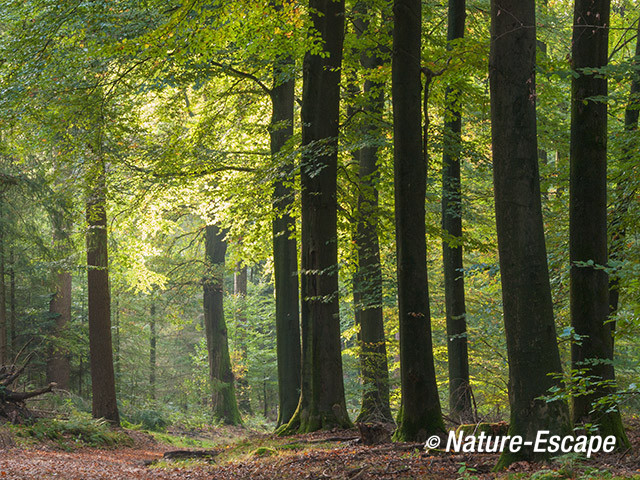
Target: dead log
(208,455)
(12,407)
(7,395)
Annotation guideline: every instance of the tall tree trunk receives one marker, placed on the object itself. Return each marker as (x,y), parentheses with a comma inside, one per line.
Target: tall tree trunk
(99,298)
(3,304)
(58,362)
(459,386)
(116,344)
(367,291)
(153,343)
(322,404)
(420,413)
(526,293)
(624,198)
(225,406)
(285,250)
(240,292)
(589,298)
(12,303)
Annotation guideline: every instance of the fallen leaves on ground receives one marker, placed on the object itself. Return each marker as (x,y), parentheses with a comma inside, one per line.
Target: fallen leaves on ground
(344,460)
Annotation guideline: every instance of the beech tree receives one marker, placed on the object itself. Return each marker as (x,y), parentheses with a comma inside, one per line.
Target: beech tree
(526,293)
(223,395)
(367,287)
(322,401)
(420,414)
(285,251)
(592,355)
(458,359)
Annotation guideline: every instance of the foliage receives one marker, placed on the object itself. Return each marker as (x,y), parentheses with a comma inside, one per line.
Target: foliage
(77,430)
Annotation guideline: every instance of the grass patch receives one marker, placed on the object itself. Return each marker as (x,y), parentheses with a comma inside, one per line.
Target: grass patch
(179,441)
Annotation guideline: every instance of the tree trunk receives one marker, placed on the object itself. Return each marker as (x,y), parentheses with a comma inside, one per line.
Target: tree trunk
(12,304)
(526,293)
(367,291)
(153,340)
(58,362)
(99,298)
(322,403)
(3,303)
(459,386)
(624,199)
(240,292)
(116,344)
(225,406)
(589,298)
(420,414)
(285,250)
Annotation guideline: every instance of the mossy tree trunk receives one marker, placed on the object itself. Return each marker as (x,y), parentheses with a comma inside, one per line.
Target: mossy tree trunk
(526,293)
(223,396)
(322,402)
(589,297)
(420,414)
(458,357)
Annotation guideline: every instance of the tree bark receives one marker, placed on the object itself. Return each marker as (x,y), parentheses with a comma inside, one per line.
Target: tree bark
(225,406)
(624,199)
(240,292)
(322,404)
(99,298)
(589,297)
(3,303)
(12,303)
(459,386)
(420,414)
(58,363)
(367,289)
(285,250)
(153,343)
(526,293)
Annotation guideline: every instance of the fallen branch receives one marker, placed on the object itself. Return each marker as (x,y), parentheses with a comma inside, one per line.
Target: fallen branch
(7,395)
(208,455)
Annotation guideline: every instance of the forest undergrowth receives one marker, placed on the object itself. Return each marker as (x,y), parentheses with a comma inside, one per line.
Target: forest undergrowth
(81,448)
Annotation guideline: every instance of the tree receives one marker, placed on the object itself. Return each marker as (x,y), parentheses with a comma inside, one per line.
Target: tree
(3,301)
(367,286)
(99,297)
(623,195)
(153,348)
(458,360)
(420,413)
(285,251)
(526,293)
(58,362)
(322,401)
(589,298)
(240,292)
(225,405)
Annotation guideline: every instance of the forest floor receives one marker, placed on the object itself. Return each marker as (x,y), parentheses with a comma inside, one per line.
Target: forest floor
(241,454)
